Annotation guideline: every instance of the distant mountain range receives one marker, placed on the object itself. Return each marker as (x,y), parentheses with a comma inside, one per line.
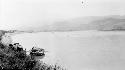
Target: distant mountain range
(101,23)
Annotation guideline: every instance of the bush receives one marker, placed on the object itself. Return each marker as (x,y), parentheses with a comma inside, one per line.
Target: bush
(43,66)
(10,59)
(19,60)
(13,59)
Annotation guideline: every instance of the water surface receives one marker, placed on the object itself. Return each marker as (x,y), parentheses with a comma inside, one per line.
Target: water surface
(79,50)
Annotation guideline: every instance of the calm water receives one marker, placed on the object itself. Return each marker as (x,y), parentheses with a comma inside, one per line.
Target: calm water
(80,50)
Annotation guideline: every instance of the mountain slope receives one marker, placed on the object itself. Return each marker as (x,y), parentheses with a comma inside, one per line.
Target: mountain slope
(91,23)
(103,23)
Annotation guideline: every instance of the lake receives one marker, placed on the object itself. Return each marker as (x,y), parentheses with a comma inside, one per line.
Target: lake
(79,50)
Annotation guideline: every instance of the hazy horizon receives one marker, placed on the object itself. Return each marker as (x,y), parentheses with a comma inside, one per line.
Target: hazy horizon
(17,14)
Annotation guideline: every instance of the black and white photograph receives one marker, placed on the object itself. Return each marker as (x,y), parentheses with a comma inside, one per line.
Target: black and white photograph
(62,34)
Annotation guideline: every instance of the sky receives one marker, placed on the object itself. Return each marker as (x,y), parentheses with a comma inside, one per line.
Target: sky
(16,14)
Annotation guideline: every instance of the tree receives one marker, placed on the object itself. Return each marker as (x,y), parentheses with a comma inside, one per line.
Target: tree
(13,59)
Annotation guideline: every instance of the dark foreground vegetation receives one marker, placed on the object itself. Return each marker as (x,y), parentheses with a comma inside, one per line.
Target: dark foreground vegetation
(12,58)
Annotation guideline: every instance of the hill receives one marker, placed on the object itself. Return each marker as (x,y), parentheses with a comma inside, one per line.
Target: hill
(102,23)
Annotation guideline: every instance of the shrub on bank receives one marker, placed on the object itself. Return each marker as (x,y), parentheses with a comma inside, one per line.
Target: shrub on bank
(12,59)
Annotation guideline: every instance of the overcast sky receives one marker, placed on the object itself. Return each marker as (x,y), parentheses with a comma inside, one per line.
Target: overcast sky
(19,13)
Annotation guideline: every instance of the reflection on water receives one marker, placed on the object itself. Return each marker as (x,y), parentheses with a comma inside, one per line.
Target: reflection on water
(81,50)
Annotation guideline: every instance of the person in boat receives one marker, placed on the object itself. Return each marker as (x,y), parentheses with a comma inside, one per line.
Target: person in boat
(37,51)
